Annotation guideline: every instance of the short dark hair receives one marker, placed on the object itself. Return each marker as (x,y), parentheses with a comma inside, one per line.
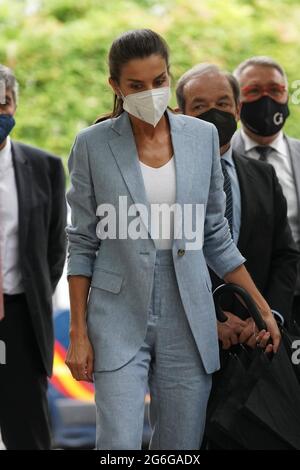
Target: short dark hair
(201,69)
(260,60)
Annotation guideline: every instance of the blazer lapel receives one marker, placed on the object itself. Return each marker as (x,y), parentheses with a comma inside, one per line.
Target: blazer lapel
(183,146)
(125,152)
(247,189)
(24,184)
(247,208)
(294,150)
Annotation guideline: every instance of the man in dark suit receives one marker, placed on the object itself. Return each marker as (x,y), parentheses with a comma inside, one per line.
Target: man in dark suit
(32,245)
(255,206)
(264,99)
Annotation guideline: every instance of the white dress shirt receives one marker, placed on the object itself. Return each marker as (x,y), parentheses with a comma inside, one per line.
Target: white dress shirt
(280,159)
(9,227)
(160,186)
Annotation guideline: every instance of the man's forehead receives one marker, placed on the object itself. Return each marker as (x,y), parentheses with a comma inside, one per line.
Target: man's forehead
(261,73)
(208,83)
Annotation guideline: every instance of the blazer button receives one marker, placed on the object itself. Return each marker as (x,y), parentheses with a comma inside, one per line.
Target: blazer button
(181,252)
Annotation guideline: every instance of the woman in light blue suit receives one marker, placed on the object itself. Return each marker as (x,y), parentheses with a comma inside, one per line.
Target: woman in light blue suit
(148,209)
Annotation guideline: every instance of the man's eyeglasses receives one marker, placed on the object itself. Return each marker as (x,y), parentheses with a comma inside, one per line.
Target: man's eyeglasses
(254,92)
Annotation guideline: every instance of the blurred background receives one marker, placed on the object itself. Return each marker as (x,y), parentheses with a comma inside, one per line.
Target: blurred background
(58,49)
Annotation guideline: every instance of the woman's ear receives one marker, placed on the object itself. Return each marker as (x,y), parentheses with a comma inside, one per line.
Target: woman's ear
(114,87)
(238,111)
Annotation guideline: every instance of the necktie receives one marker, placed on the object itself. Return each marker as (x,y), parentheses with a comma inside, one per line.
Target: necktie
(228,192)
(263,152)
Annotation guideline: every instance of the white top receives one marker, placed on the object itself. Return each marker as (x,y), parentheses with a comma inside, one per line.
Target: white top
(160,186)
(281,161)
(9,224)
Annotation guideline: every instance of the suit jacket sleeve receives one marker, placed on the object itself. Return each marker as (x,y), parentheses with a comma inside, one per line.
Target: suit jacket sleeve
(281,285)
(221,254)
(83,242)
(57,236)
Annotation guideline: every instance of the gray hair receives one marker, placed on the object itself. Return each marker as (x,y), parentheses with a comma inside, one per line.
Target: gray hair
(9,80)
(199,70)
(260,60)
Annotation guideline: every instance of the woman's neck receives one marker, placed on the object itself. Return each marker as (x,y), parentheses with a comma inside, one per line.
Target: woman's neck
(143,129)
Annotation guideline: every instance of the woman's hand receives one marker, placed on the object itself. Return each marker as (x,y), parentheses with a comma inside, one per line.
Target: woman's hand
(272,332)
(241,277)
(80,357)
(254,338)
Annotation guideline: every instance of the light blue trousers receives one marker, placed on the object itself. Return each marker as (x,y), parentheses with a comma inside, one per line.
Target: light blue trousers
(170,364)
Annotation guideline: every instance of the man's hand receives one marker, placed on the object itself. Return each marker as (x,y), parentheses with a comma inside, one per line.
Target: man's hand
(241,277)
(229,331)
(249,334)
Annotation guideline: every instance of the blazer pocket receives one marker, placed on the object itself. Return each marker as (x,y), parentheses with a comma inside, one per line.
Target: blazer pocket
(107,280)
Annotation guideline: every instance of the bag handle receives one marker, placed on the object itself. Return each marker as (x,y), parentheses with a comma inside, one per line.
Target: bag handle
(247,299)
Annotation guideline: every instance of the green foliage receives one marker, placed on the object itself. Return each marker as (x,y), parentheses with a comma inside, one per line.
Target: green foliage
(59,52)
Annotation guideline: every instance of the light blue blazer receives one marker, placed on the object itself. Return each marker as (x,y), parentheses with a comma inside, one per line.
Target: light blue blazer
(104,165)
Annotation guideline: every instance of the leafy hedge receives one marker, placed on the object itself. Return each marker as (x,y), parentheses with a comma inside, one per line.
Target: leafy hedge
(58,49)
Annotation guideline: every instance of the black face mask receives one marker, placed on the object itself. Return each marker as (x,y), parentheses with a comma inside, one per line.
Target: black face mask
(7,122)
(265,116)
(225,123)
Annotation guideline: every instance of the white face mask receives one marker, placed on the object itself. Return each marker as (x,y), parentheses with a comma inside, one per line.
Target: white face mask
(149,105)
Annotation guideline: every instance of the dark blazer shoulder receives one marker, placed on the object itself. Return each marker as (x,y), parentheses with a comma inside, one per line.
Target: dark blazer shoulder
(35,153)
(255,165)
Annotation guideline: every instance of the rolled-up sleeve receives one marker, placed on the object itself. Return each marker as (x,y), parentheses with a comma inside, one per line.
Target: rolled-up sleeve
(83,242)
(220,252)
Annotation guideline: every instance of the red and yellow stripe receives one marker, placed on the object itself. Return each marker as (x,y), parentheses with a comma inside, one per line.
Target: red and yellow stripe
(63,381)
